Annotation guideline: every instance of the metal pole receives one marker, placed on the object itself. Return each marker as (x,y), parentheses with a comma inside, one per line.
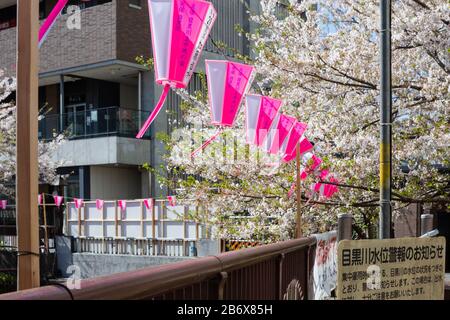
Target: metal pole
(345,222)
(299,195)
(139,99)
(386,122)
(27,142)
(61,103)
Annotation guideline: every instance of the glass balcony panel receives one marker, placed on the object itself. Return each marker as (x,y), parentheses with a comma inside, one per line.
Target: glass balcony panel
(111,121)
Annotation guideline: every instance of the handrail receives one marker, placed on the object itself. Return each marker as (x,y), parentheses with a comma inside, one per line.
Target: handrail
(149,282)
(58,115)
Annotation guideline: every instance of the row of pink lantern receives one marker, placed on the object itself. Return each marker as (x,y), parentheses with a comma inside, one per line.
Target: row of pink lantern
(58,201)
(149,203)
(180,29)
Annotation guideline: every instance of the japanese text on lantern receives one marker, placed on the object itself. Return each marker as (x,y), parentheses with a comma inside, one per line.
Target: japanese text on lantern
(395,269)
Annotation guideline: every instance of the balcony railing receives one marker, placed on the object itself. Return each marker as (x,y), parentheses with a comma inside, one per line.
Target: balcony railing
(93,123)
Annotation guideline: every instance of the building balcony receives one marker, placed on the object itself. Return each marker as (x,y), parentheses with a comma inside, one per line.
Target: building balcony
(93,123)
(104,136)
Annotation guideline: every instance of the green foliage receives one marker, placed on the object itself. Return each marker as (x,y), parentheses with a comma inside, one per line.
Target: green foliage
(8,282)
(146,62)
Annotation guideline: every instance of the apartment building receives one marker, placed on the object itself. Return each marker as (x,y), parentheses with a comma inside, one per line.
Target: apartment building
(92,88)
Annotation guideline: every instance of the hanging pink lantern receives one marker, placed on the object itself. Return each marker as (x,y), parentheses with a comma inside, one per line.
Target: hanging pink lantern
(260,113)
(50,21)
(58,200)
(172,201)
(325,189)
(316,162)
(40,199)
(122,205)
(149,203)
(78,203)
(331,189)
(99,204)
(3,204)
(228,82)
(180,29)
(324,174)
(305,146)
(278,133)
(294,138)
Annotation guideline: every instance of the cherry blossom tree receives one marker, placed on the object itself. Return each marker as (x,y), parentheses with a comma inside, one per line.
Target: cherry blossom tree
(47,150)
(322,59)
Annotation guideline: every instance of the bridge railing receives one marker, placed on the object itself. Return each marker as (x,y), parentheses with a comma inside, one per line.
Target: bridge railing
(271,272)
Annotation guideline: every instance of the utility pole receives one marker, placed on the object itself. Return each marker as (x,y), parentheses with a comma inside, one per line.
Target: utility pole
(27,144)
(386,121)
(299,194)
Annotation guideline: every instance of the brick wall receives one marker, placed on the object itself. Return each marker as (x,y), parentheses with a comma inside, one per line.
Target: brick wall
(133,31)
(65,48)
(95,41)
(8,51)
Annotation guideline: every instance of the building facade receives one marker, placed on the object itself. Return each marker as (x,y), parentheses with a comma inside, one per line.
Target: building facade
(92,88)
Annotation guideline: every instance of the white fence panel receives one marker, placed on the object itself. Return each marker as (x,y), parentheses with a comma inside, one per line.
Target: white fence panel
(136,221)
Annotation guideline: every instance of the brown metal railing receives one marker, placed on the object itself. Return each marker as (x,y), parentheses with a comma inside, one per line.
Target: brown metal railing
(270,272)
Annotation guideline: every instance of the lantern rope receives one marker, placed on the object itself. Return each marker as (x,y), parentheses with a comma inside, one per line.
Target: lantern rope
(207,142)
(155,112)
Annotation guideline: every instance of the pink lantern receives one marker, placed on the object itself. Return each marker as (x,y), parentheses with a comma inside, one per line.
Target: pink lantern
(305,146)
(172,201)
(3,204)
(50,21)
(260,114)
(58,200)
(303,175)
(324,174)
(278,133)
(40,199)
(99,204)
(180,29)
(319,188)
(331,189)
(78,203)
(295,137)
(326,190)
(149,203)
(122,205)
(316,162)
(228,82)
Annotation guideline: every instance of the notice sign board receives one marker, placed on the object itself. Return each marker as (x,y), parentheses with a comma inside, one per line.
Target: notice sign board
(393,269)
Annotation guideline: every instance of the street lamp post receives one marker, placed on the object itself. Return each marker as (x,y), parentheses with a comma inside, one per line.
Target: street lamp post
(386,121)
(27,144)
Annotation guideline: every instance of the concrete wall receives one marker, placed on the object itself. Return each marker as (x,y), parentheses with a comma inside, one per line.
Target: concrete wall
(93,265)
(104,151)
(407,221)
(112,183)
(129,98)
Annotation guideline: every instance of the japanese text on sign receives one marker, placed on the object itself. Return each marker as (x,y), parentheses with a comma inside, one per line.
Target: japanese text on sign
(395,269)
